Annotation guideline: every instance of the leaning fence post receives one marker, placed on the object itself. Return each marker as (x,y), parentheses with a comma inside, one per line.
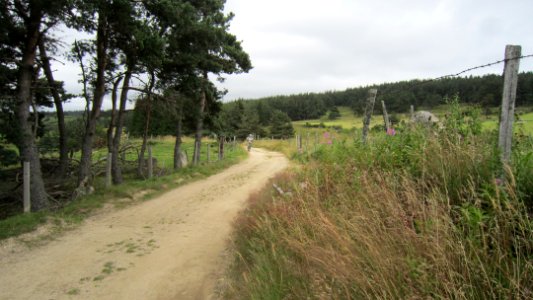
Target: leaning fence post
(108,179)
(510,82)
(369,108)
(150,162)
(385,116)
(26,186)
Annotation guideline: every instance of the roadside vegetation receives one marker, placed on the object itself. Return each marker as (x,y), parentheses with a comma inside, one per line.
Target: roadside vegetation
(70,211)
(425,213)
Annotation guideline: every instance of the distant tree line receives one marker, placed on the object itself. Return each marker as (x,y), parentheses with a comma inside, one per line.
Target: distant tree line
(271,116)
(233,119)
(399,96)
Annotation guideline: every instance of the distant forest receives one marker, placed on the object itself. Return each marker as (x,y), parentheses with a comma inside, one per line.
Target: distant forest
(485,91)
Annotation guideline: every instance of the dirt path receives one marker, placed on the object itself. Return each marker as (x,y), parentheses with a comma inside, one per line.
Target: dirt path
(167,248)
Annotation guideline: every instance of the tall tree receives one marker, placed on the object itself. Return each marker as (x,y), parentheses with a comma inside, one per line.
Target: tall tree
(101,61)
(281,126)
(142,48)
(216,51)
(113,19)
(148,110)
(25,22)
(198,44)
(58,102)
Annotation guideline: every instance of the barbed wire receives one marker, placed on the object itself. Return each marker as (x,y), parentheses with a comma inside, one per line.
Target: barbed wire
(457,74)
(483,66)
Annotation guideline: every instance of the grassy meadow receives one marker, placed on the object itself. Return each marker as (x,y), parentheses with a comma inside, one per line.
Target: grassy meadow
(426,213)
(163,150)
(349,120)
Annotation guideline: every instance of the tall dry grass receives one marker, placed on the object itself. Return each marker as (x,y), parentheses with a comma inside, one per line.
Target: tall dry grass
(418,215)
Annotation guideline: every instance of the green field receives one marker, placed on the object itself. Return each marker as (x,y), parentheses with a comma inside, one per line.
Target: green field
(524,123)
(163,150)
(349,120)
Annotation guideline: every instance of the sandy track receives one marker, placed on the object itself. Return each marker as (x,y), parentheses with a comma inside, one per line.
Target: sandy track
(167,248)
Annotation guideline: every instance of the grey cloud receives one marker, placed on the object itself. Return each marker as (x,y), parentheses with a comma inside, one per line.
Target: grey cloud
(314,45)
(340,44)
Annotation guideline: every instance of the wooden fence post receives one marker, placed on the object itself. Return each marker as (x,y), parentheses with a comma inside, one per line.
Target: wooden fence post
(510,77)
(26,186)
(369,108)
(299,143)
(108,178)
(150,162)
(385,116)
(412,111)
(208,154)
(221,148)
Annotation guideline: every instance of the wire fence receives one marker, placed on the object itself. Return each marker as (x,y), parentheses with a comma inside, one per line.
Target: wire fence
(386,93)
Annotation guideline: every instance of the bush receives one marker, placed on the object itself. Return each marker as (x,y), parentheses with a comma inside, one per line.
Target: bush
(8,156)
(334,114)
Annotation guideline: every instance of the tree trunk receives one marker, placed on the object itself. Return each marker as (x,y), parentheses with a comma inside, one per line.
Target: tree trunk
(63,150)
(200,124)
(113,121)
(177,145)
(148,108)
(199,129)
(140,165)
(99,92)
(115,166)
(26,141)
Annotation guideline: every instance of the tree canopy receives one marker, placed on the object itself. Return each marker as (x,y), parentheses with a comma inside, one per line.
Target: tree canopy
(170,46)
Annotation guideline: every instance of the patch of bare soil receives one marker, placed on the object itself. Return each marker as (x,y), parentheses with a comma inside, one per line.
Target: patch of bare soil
(168,248)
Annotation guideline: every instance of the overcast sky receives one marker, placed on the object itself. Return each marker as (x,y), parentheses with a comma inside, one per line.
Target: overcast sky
(299,46)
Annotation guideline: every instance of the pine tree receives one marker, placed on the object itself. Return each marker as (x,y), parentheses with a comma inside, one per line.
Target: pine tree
(280,125)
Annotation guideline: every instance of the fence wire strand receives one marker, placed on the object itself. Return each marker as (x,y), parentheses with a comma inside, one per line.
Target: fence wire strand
(483,66)
(457,74)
